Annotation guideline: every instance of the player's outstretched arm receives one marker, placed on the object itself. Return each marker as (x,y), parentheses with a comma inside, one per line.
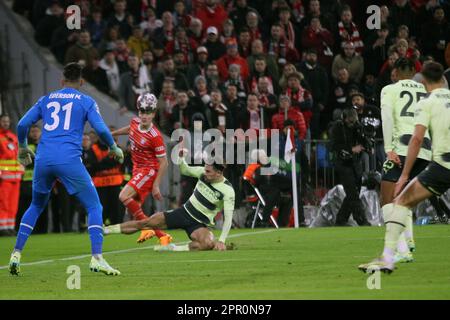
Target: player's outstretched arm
(187,170)
(228,209)
(96,121)
(121,131)
(163,164)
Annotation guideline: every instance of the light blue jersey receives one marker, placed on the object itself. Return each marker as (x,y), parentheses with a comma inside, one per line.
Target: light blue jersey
(64,114)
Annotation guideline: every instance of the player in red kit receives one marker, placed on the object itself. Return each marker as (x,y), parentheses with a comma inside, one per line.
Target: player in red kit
(148,155)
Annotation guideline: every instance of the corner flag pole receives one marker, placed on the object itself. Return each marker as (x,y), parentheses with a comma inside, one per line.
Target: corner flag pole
(290,156)
(294,191)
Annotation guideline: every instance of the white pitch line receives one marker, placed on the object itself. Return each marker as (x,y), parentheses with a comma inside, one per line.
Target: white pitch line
(140,248)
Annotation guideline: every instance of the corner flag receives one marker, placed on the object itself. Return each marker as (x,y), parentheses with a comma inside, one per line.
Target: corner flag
(289,156)
(289,149)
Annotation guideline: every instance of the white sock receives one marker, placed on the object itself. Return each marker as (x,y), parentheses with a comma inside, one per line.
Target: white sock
(112,229)
(395,218)
(402,246)
(409,228)
(184,247)
(98,256)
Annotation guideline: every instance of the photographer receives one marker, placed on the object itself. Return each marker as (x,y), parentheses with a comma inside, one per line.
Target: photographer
(347,143)
(370,118)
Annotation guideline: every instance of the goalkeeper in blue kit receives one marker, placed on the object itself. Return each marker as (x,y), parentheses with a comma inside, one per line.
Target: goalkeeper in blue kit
(64,114)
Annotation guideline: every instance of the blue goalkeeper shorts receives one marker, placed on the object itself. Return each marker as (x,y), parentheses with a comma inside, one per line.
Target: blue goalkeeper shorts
(73,176)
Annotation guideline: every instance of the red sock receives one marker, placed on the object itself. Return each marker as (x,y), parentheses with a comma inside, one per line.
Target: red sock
(159,233)
(135,209)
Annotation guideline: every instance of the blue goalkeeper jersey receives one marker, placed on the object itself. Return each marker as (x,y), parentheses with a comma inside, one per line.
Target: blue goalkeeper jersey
(64,114)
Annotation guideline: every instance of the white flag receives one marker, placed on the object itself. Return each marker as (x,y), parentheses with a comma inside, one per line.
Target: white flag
(289,149)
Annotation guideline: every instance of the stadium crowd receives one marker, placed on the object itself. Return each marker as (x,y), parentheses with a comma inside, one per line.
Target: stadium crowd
(238,63)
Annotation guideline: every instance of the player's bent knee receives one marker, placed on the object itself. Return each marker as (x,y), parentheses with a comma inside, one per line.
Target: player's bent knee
(157,220)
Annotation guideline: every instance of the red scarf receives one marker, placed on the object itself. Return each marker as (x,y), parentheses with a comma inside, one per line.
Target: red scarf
(300,97)
(289,33)
(353,36)
(296,96)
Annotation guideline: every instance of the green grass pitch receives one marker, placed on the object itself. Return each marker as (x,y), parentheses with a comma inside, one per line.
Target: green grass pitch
(266,264)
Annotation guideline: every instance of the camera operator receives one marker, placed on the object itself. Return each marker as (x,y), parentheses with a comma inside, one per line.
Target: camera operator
(370,120)
(347,143)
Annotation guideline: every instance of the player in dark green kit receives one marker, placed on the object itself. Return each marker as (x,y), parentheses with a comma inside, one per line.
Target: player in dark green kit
(213,193)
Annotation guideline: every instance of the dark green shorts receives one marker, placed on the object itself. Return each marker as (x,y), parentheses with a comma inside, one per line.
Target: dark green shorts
(180,219)
(392,172)
(435,178)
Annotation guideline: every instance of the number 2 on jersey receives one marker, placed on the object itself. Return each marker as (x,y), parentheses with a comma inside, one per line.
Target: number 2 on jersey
(67,108)
(405,112)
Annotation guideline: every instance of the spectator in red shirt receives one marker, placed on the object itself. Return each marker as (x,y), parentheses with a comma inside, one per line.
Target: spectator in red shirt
(288,112)
(300,97)
(403,51)
(212,14)
(321,39)
(232,57)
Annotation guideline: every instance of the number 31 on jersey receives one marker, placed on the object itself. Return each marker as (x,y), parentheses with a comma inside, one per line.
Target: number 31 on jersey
(67,109)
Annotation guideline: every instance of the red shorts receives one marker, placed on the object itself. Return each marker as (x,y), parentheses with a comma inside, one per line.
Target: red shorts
(142,182)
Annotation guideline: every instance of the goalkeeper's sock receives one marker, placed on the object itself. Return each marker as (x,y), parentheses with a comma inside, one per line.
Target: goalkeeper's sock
(135,209)
(95,229)
(159,233)
(112,229)
(29,219)
(395,218)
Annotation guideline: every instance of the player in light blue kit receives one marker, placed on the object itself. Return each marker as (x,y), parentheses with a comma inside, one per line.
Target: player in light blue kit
(64,114)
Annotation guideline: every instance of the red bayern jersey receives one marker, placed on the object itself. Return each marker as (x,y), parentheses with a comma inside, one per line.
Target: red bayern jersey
(146,146)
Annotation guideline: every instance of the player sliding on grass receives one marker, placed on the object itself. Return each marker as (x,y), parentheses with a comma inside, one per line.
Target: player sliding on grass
(432,114)
(64,114)
(212,194)
(148,154)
